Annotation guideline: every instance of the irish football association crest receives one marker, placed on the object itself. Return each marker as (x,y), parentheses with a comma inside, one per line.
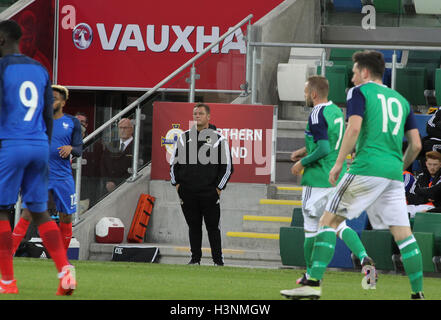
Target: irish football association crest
(171,137)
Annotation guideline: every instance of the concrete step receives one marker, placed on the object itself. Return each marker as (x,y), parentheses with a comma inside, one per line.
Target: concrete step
(288,192)
(290,137)
(261,229)
(267,224)
(284,175)
(172,254)
(291,129)
(278,207)
(254,240)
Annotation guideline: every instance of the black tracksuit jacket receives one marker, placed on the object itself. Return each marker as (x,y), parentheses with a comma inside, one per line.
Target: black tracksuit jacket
(201,162)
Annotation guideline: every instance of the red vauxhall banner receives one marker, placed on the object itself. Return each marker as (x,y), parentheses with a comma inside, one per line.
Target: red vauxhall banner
(248,128)
(37,23)
(137,43)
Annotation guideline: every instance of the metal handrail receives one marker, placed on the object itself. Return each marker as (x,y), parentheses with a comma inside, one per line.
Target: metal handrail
(342,46)
(164,81)
(323,64)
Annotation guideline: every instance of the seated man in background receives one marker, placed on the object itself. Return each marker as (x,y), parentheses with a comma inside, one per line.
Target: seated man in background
(425,194)
(117,156)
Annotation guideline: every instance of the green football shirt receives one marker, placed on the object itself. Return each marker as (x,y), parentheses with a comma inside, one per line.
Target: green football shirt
(386,116)
(326,122)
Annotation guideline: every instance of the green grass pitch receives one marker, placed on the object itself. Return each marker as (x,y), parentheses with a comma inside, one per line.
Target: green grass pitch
(37,280)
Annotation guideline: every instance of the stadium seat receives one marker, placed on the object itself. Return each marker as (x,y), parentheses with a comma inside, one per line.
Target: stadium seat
(343,57)
(430,60)
(292,238)
(307,56)
(421,122)
(380,246)
(389,53)
(389,6)
(427,6)
(291,246)
(347,5)
(297,218)
(291,80)
(426,242)
(387,77)
(438,86)
(337,76)
(342,256)
(291,76)
(360,223)
(411,83)
(429,222)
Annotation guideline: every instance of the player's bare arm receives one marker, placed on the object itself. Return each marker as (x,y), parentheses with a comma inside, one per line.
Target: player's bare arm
(297,168)
(298,154)
(413,148)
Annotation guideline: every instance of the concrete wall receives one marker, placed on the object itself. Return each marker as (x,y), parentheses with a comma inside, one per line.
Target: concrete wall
(120,204)
(167,223)
(292,21)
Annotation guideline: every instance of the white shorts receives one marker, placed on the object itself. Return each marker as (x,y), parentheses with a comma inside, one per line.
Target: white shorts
(314,202)
(383,199)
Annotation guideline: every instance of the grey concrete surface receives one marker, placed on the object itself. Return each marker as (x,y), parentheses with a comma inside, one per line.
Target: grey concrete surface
(291,21)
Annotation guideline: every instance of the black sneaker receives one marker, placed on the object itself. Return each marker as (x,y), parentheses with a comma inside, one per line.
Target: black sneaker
(437,262)
(355,262)
(312,283)
(218,264)
(398,263)
(193,261)
(367,261)
(417,296)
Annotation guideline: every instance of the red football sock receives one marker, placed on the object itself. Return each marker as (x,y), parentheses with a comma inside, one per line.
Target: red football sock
(51,236)
(66,233)
(6,266)
(19,233)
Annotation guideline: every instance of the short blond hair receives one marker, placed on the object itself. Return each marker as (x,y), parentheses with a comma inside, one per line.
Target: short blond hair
(61,89)
(320,85)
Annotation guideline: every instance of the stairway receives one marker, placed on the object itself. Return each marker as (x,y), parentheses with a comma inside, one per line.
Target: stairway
(290,137)
(251,240)
(261,229)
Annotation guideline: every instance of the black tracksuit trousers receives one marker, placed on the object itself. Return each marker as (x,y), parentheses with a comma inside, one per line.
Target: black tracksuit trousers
(207,207)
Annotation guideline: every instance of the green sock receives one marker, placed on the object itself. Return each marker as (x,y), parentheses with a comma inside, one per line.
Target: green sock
(308,246)
(352,240)
(324,247)
(413,262)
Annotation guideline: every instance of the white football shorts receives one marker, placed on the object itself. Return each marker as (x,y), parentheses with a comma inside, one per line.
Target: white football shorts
(314,202)
(383,199)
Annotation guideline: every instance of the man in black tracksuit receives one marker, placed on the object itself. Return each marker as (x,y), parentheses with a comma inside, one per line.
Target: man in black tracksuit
(427,186)
(200,169)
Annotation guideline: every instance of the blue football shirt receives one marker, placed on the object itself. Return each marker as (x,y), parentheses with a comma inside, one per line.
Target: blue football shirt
(26,99)
(66,131)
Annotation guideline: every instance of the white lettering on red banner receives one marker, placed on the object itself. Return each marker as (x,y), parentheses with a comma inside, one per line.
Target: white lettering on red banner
(132,36)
